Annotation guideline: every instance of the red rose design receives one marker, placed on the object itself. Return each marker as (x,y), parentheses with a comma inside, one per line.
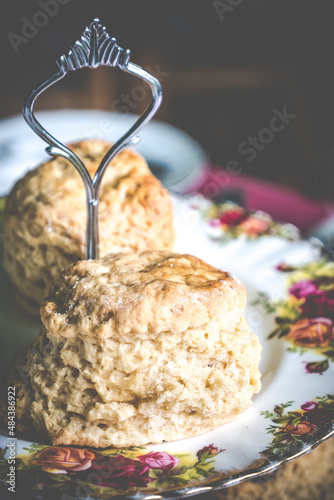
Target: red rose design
(320,304)
(121,472)
(320,415)
(317,367)
(232,217)
(60,460)
(317,332)
(208,450)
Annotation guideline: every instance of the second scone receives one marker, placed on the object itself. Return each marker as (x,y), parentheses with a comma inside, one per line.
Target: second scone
(138,348)
(45,217)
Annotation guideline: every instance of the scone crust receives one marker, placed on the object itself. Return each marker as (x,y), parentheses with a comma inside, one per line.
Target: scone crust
(139,294)
(138,348)
(45,216)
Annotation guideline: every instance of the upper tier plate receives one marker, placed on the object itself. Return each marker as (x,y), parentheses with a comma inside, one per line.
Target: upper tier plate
(173,156)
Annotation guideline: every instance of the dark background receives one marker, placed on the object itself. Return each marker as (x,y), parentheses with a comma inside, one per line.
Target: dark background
(222,74)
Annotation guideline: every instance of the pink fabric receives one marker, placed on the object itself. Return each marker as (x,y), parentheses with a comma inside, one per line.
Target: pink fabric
(282,203)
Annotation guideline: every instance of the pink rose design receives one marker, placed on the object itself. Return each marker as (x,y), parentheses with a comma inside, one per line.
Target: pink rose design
(159,460)
(317,332)
(61,460)
(310,405)
(121,472)
(303,289)
(214,222)
(254,226)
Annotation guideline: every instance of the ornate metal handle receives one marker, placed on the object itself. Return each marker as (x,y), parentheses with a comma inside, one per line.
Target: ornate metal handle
(95,48)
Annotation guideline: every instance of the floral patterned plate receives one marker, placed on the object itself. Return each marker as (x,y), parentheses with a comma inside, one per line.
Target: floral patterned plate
(290,307)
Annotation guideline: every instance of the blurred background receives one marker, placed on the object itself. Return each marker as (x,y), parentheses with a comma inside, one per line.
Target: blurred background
(251,81)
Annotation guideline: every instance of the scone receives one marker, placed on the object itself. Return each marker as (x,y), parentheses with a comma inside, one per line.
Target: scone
(45,217)
(136,349)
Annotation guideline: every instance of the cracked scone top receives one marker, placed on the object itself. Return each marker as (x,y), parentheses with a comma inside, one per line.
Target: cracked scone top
(140,295)
(138,348)
(45,217)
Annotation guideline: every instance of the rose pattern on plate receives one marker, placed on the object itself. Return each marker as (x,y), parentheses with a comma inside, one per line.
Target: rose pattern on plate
(229,220)
(159,460)
(305,317)
(61,460)
(105,473)
(121,472)
(294,430)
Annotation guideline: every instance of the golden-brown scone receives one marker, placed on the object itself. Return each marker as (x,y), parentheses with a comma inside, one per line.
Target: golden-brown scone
(138,348)
(45,217)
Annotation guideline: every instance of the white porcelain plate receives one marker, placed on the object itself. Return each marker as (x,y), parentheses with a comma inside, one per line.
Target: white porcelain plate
(173,156)
(290,307)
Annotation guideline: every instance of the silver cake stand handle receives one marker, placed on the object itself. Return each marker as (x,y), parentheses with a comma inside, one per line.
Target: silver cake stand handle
(95,48)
